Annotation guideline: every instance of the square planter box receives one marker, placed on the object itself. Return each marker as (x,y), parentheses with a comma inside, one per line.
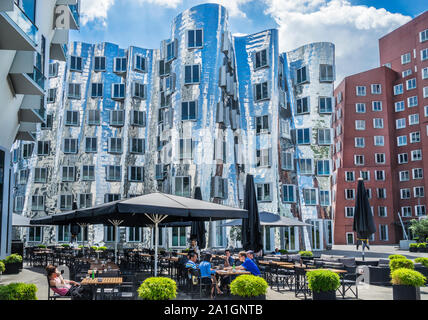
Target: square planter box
(400,292)
(262,297)
(12,268)
(324,295)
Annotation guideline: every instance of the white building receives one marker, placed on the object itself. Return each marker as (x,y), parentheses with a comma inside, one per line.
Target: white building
(31,33)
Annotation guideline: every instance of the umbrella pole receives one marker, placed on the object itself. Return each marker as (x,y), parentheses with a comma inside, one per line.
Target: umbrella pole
(116,223)
(156,247)
(156,219)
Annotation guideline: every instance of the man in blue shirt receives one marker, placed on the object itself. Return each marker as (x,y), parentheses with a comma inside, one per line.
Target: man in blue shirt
(248,264)
(193,257)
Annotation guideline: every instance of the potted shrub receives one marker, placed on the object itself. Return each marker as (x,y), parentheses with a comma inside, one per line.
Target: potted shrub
(283,251)
(396,256)
(395,264)
(41,246)
(406,284)
(249,287)
(94,248)
(2,268)
(323,284)
(18,291)
(13,263)
(306,256)
(102,248)
(413,247)
(158,288)
(423,261)
(422,247)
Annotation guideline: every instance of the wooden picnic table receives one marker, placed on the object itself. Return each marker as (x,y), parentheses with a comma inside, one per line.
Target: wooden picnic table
(275,262)
(330,269)
(103,281)
(230,272)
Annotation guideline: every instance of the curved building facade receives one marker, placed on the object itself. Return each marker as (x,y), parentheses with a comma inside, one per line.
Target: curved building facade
(204,110)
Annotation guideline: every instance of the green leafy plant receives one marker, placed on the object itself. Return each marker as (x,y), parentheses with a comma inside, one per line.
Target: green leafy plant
(306,253)
(323,280)
(407,277)
(102,248)
(18,291)
(13,258)
(158,288)
(283,251)
(423,261)
(419,228)
(248,286)
(94,248)
(2,267)
(41,246)
(82,246)
(396,256)
(413,245)
(395,264)
(422,245)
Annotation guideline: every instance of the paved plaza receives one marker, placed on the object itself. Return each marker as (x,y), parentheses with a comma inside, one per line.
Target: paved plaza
(37,276)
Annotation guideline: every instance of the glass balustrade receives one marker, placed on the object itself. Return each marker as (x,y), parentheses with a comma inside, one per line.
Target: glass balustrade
(21,21)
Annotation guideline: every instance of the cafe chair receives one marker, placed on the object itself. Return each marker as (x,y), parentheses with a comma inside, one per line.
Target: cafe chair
(348,281)
(127,291)
(53,295)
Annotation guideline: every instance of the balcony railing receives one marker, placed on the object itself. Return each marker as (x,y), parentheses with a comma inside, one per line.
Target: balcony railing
(38,77)
(20,19)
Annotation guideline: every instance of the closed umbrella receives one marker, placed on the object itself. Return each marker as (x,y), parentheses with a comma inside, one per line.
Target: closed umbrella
(251,229)
(363,219)
(197,230)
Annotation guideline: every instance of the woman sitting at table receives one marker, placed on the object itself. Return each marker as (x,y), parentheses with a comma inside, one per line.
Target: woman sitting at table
(248,264)
(65,287)
(208,274)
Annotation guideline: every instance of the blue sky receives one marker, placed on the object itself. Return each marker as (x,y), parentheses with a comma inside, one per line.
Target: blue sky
(145,23)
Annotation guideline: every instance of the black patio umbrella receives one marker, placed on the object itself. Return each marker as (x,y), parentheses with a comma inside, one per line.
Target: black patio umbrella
(363,219)
(149,209)
(251,228)
(197,230)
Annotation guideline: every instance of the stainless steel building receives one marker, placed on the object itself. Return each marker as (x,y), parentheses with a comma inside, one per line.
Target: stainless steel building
(204,110)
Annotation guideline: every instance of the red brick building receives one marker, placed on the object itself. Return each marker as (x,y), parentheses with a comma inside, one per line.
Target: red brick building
(381,126)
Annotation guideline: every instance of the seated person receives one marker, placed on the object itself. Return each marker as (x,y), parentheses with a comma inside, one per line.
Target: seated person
(191,263)
(208,274)
(248,264)
(64,287)
(194,247)
(250,255)
(277,252)
(228,260)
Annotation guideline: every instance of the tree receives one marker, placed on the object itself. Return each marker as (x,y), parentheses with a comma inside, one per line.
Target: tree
(419,229)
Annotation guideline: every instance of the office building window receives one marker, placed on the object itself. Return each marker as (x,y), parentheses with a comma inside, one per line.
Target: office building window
(68,174)
(182,186)
(85,200)
(305,166)
(93,117)
(76,63)
(399,106)
(325,104)
(398,89)
(376,88)
(377,106)
(191,74)
(326,73)
(379,158)
(360,90)
(302,105)
(136,174)
(88,173)
(189,110)
(261,91)
(70,145)
(288,193)
(137,145)
(360,107)
(359,142)
(261,59)
(99,64)
(263,192)
(113,173)
(91,144)
(302,75)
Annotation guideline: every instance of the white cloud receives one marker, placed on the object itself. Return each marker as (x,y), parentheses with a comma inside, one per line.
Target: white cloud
(233,6)
(95,10)
(162,3)
(354,30)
